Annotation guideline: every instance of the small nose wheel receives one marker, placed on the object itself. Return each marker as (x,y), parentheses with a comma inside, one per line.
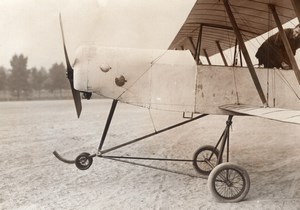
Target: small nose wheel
(205,160)
(83,161)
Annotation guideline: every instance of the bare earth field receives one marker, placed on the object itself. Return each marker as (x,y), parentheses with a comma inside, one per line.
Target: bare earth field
(32,178)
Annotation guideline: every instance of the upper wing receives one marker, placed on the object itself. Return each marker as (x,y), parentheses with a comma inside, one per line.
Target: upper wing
(252,16)
(278,114)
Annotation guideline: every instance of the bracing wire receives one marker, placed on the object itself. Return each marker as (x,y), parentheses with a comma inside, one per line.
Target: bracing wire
(268,71)
(245,22)
(153,124)
(235,85)
(152,63)
(277,71)
(273,87)
(259,44)
(234,76)
(289,85)
(268,85)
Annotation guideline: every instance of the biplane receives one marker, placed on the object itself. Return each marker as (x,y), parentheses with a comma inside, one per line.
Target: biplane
(177,80)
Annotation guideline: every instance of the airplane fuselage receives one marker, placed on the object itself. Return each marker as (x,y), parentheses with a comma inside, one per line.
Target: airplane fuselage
(171,80)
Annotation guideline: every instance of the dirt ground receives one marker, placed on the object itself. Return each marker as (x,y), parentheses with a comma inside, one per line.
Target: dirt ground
(32,178)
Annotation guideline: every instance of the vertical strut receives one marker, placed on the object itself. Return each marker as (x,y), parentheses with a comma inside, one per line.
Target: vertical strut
(108,121)
(198,48)
(234,55)
(225,139)
(221,52)
(207,58)
(193,45)
(245,52)
(228,124)
(241,58)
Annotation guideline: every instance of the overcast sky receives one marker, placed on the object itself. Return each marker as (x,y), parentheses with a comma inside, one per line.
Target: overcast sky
(31,27)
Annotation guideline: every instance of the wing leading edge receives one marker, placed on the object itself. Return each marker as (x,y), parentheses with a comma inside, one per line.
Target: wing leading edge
(278,114)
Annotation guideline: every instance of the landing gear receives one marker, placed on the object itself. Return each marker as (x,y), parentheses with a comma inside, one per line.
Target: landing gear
(229,183)
(226,181)
(83,161)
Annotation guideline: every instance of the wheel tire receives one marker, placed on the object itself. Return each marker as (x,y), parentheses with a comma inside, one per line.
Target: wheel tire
(83,161)
(201,165)
(229,183)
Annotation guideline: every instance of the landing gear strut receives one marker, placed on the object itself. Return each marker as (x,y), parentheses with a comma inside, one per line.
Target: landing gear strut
(226,181)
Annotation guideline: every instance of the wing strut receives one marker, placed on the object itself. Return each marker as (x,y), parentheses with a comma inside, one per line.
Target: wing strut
(198,48)
(234,63)
(221,52)
(193,45)
(245,53)
(286,43)
(207,57)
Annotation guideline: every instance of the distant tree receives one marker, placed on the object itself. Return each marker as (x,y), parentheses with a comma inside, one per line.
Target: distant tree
(3,82)
(57,78)
(18,79)
(3,78)
(38,78)
(48,84)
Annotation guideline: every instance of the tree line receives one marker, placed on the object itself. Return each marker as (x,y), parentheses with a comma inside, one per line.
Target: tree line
(19,82)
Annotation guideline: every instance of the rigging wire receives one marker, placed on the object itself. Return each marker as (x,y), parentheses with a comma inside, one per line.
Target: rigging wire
(234,75)
(268,85)
(286,81)
(248,37)
(150,102)
(153,124)
(274,87)
(151,65)
(235,85)
(254,48)
(268,71)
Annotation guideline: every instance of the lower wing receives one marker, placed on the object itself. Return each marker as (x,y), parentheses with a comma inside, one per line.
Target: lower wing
(278,114)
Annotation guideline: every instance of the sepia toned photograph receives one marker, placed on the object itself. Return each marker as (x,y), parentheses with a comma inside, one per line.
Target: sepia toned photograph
(150,104)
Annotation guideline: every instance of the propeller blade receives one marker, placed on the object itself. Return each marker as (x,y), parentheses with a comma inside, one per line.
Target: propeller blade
(77,99)
(69,67)
(70,71)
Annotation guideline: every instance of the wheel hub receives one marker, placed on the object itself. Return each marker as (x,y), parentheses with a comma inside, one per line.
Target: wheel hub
(228,183)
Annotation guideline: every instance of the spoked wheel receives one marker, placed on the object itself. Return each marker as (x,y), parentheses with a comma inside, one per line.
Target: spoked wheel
(83,161)
(205,160)
(229,183)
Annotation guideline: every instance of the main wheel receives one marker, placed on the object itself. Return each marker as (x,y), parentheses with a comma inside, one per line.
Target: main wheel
(229,183)
(205,159)
(83,161)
